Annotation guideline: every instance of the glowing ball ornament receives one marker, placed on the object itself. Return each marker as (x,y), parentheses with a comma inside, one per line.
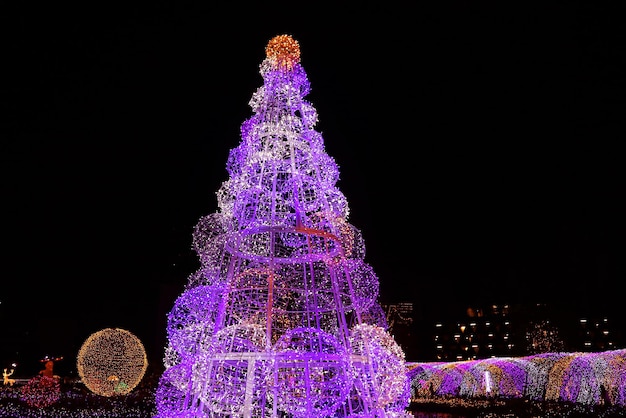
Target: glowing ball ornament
(311,384)
(112,362)
(283,51)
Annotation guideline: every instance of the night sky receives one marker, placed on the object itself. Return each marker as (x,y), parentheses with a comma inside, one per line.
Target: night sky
(478,148)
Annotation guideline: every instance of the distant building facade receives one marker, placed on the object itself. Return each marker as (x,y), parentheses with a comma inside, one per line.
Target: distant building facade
(401,322)
(479,334)
(513,331)
(500,331)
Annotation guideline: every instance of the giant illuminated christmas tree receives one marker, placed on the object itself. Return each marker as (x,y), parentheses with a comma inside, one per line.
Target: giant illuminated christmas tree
(282,319)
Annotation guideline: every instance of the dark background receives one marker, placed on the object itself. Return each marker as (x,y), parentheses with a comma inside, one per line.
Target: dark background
(479,148)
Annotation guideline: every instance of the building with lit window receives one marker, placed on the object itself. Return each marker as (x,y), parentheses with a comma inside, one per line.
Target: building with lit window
(598,334)
(480,334)
(519,330)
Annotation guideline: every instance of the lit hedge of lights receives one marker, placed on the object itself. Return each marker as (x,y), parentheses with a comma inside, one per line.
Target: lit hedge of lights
(583,378)
(282,318)
(111,362)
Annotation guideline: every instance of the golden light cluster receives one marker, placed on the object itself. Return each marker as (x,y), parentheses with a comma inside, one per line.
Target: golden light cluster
(112,362)
(284,51)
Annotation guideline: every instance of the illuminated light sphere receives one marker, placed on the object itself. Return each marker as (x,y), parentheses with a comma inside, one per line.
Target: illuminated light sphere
(284,50)
(170,397)
(359,280)
(311,384)
(112,362)
(192,318)
(381,382)
(227,371)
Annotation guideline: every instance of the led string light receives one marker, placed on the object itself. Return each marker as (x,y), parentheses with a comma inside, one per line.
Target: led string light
(580,378)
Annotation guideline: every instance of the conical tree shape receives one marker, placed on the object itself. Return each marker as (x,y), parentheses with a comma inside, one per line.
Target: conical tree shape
(282,318)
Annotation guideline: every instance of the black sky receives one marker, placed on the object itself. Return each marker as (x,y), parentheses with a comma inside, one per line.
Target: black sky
(478,146)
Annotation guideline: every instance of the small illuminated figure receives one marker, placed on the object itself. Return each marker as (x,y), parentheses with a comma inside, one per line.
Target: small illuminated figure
(6,375)
(48,370)
(119,386)
(44,389)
